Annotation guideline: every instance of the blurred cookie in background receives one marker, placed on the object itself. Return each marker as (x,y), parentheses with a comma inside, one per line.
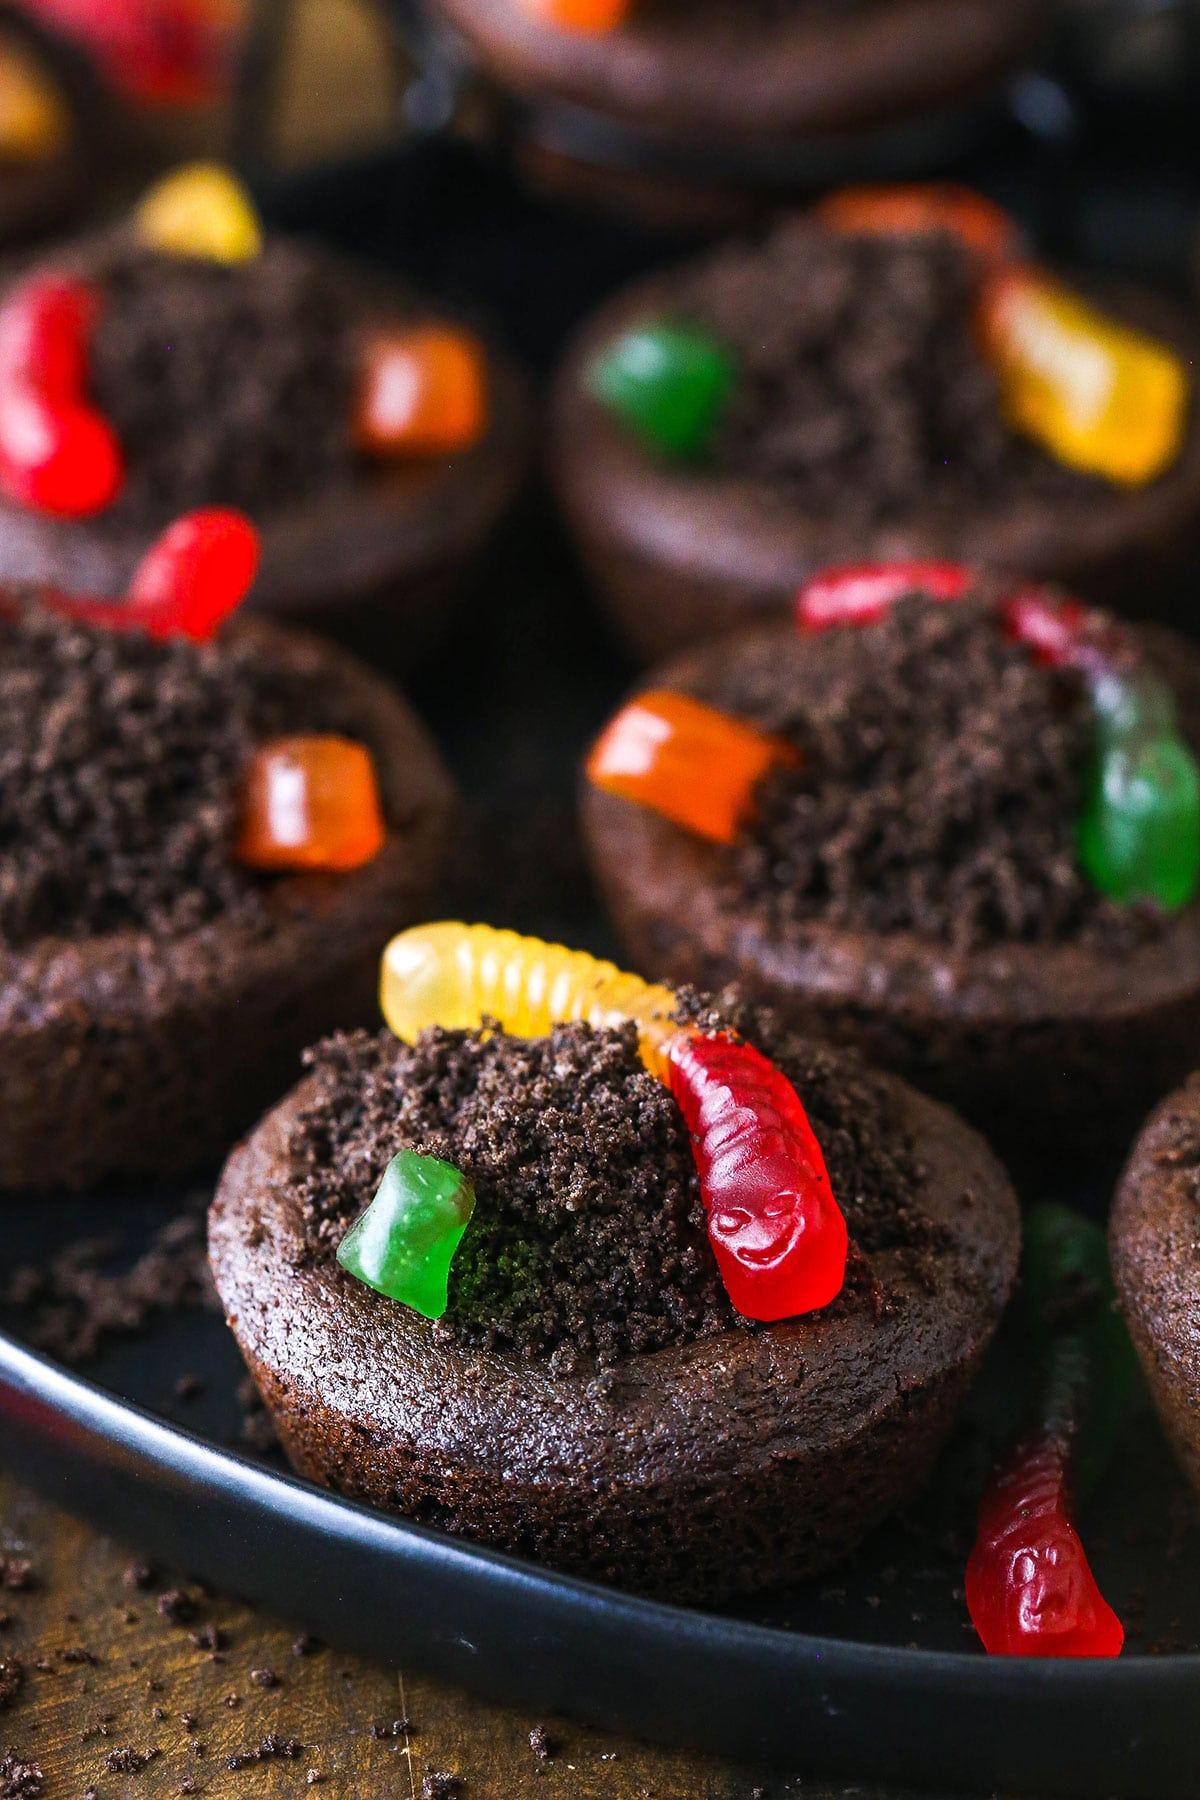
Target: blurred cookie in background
(685,112)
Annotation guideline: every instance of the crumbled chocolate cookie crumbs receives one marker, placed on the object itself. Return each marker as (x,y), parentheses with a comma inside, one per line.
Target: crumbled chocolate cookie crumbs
(541,1744)
(126,1760)
(141,1576)
(865,395)
(588,1237)
(272,1748)
(16,1573)
(119,771)
(75,1306)
(588,1230)
(227,384)
(177,1606)
(19,1780)
(12,1674)
(942,776)
(264,1678)
(120,766)
(256,1431)
(439,1784)
(305,1645)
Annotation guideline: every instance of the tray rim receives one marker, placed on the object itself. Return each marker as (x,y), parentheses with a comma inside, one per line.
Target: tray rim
(129,1469)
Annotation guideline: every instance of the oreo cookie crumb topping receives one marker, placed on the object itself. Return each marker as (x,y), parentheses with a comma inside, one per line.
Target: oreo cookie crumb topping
(942,777)
(120,764)
(588,1239)
(861,392)
(227,384)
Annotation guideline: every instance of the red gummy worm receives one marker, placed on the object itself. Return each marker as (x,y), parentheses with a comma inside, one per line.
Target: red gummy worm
(1061,632)
(187,584)
(863,593)
(58,454)
(1030,1588)
(45,324)
(195,574)
(776,1230)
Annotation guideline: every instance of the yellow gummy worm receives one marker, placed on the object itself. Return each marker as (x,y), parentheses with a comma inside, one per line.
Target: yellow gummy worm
(1097,394)
(453,975)
(201,210)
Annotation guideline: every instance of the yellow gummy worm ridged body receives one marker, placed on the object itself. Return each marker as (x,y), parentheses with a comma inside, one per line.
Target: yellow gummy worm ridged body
(456,975)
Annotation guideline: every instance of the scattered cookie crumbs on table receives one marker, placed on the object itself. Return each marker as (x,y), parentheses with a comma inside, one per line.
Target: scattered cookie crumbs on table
(439,1784)
(127,1760)
(542,1745)
(177,1606)
(19,1780)
(272,1748)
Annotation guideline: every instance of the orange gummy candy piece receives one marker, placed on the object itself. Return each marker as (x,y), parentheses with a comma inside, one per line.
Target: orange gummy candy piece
(696,766)
(591,16)
(311,803)
(34,119)
(422,392)
(922,206)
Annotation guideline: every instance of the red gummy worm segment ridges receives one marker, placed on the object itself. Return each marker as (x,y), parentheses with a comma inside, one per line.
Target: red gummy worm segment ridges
(1030,1588)
(776,1230)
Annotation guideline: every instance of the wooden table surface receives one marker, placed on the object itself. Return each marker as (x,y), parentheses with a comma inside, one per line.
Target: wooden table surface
(109,1666)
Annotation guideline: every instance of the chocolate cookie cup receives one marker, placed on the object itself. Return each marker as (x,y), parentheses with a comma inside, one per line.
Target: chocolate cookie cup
(747,71)
(1152,1237)
(876,456)
(353,537)
(145,1051)
(1049,1016)
(593,1400)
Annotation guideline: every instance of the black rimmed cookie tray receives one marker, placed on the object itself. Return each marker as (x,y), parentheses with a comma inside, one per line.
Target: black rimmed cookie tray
(871,1672)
